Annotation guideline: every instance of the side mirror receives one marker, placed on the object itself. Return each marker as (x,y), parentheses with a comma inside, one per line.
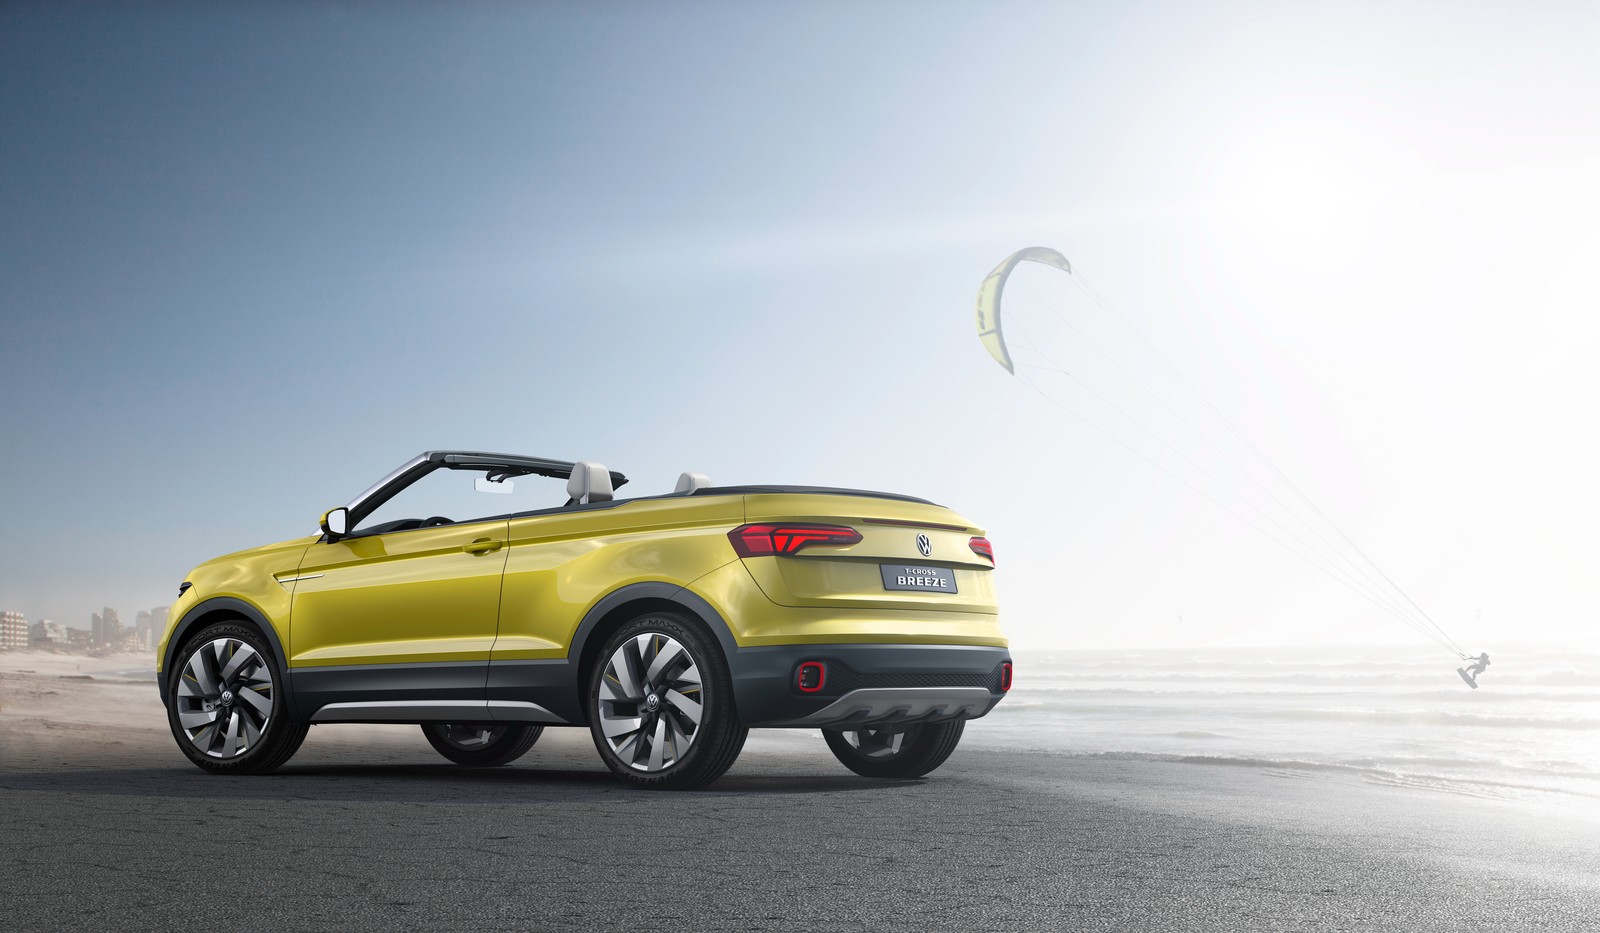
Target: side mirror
(336,523)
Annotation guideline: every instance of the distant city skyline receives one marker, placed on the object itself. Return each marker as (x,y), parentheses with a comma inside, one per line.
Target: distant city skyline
(105,630)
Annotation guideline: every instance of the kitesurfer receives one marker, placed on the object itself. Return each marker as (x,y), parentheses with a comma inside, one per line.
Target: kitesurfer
(1340,557)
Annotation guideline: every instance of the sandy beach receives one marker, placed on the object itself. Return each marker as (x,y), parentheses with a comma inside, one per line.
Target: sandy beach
(108,826)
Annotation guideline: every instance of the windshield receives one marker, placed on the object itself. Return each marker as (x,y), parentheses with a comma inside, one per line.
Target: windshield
(449,497)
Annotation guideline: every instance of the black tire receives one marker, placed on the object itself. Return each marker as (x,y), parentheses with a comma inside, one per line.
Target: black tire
(500,743)
(923,748)
(278,739)
(716,739)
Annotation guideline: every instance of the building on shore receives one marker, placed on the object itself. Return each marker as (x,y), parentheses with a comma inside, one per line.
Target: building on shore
(78,638)
(45,632)
(13,630)
(148,627)
(105,627)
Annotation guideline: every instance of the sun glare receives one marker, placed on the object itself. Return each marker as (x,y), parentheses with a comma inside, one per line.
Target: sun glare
(1308,172)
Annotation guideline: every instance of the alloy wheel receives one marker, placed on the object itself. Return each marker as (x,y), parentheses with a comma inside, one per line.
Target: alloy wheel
(469,736)
(876,743)
(650,701)
(225,698)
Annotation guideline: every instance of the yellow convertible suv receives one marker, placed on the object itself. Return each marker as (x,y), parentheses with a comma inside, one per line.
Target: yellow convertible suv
(462,594)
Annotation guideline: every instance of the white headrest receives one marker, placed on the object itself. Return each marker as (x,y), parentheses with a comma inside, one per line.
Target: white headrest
(590,482)
(689,482)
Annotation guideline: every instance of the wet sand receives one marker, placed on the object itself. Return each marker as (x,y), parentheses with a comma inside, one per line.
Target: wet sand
(107,825)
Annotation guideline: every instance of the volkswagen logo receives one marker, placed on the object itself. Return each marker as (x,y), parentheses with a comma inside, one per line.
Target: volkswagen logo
(924,545)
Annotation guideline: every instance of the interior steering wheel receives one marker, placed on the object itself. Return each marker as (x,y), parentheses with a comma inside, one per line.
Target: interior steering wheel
(433,520)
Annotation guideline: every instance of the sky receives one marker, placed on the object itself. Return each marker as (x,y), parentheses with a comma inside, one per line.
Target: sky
(254,256)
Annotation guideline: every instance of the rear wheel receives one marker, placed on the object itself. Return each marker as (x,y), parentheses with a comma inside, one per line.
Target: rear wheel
(896,753)
(481,745)
(226,705)
(660,704)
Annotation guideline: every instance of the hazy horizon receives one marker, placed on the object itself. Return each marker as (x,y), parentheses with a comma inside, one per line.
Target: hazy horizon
(258,256)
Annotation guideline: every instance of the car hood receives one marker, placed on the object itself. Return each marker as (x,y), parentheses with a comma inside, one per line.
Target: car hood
(293,547)
(242,572)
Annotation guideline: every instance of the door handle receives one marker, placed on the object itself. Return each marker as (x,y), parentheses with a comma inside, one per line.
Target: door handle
(483,546)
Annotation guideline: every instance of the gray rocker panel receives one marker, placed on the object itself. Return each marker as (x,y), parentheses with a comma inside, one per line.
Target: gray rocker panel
(436,711)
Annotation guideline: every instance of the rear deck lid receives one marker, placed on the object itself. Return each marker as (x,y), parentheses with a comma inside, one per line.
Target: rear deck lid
(911,554)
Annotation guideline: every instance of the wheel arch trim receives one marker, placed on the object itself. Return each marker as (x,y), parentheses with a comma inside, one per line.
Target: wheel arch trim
(225,605)
(667,592)
(585,646)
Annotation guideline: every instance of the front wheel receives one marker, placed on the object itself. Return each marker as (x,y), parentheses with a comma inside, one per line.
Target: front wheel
(660,704)
(896,753)
(481,745)
(226,705)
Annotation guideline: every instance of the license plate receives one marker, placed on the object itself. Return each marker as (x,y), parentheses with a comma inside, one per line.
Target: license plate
(917,578)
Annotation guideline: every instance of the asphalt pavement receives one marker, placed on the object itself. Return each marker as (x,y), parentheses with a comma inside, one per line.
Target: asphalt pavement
(358,835)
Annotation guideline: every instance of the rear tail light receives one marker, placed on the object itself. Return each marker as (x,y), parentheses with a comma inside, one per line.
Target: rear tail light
(982,548)
(761,540)
(1005,677)
(810,676)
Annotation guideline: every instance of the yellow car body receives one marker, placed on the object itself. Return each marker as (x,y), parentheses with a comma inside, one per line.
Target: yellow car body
(409,624)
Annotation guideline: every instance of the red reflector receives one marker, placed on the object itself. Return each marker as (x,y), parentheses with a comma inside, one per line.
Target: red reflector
(811,676)
(1005,677)
(982,548)
(760,540)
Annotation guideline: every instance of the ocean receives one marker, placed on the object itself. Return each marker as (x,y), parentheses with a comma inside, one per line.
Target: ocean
(1388,715)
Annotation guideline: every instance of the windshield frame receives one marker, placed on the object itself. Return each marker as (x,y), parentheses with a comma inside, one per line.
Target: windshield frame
(425,463)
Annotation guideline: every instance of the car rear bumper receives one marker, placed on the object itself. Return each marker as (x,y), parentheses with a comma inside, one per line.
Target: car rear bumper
(867,685)
(885,706)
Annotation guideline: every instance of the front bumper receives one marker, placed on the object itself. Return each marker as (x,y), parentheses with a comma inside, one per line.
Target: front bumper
(867,685)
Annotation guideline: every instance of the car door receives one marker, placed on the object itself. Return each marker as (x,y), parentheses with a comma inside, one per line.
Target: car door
(397,625)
